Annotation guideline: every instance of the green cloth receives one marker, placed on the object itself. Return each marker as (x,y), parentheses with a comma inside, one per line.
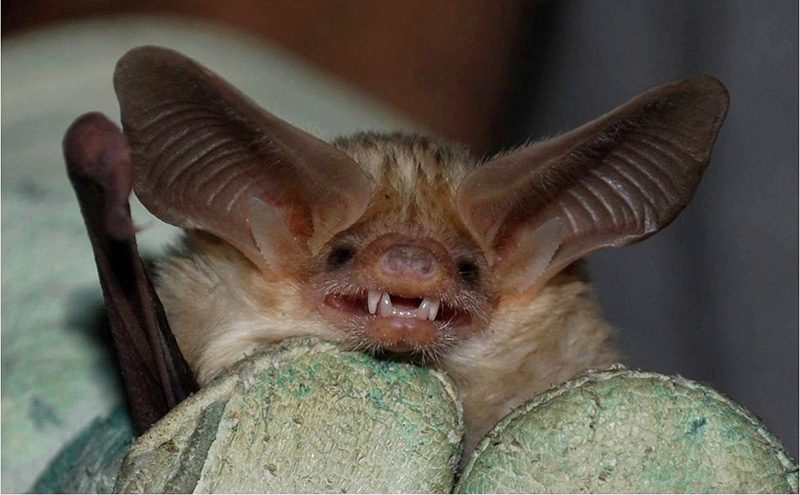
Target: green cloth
(91,462)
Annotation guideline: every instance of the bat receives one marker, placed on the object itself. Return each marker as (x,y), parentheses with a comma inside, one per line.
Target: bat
(397,245)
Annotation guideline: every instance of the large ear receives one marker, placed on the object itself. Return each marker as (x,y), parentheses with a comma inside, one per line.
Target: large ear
(208,158)
(611,182)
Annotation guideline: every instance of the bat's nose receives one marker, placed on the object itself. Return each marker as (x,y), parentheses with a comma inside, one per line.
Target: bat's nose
(409,261)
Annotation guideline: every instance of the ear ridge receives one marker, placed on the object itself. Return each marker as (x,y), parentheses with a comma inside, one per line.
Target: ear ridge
(613,181)
(202,150)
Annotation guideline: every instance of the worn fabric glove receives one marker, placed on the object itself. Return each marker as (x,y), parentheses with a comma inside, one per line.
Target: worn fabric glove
(308,417)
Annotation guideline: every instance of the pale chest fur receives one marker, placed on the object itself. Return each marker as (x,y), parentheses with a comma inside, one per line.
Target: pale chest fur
(221,311)
(530,346)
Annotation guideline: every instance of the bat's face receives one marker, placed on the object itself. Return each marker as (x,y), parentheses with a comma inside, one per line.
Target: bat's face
(406,277)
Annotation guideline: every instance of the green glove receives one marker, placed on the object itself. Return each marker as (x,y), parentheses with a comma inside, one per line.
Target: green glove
(307,417)
(620,431)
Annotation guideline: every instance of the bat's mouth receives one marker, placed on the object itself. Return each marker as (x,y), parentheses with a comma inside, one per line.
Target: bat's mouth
(402,324)
(387,305)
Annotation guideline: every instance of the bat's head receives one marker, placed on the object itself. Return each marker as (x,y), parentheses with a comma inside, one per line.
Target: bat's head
(400,243)
(407,276)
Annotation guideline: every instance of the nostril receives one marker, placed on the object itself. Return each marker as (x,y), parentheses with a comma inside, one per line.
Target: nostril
(411,261)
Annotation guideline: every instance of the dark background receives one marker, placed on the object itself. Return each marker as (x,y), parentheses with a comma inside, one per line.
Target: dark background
(715,296)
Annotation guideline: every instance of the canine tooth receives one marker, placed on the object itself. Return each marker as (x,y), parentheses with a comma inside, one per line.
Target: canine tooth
(372,301)
(433,310)
(423,310)
(385,306)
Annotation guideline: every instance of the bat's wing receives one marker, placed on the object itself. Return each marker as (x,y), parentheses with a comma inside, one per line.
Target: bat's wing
(156,375)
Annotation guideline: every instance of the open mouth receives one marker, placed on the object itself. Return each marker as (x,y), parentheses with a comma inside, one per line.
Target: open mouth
(381,304)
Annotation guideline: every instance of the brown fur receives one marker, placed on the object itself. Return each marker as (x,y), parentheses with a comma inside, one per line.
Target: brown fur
(222,309)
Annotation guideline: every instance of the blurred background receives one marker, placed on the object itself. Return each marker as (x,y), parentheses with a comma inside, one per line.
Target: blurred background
(714,297)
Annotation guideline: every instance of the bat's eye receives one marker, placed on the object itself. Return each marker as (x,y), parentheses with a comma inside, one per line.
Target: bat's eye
(468,271)
(339,256)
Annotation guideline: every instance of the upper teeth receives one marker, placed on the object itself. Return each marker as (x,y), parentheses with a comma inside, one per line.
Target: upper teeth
(381,303)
